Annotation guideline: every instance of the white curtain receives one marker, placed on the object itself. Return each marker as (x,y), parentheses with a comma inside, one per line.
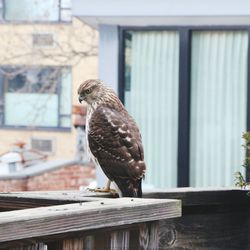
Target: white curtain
(218,106)
(152,100)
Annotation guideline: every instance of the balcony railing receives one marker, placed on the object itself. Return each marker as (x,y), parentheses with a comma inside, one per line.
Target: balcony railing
(183,218)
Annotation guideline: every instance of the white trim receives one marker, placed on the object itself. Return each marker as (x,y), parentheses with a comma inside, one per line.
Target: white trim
(162,12)
(167,21)
(108,70)
(160,8)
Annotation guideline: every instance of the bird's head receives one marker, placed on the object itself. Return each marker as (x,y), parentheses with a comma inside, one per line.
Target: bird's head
(90,91)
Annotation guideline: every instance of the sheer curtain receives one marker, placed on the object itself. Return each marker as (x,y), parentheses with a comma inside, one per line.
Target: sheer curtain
(218,106)
(151,97)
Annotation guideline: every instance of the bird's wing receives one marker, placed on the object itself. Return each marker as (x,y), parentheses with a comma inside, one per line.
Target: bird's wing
(115,141)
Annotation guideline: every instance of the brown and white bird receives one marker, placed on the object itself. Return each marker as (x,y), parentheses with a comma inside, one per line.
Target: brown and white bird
(113,138)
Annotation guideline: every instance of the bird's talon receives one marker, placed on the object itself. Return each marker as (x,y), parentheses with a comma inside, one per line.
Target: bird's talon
(104,190)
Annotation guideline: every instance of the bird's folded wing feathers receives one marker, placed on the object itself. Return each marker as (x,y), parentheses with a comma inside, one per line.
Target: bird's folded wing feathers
(115,141)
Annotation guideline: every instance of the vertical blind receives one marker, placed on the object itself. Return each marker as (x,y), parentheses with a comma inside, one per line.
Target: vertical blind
(218,106)
(151,97)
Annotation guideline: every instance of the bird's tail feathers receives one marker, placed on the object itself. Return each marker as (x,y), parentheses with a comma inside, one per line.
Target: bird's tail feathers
(129,187)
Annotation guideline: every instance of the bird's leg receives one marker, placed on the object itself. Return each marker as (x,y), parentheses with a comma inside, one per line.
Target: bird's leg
(106,189)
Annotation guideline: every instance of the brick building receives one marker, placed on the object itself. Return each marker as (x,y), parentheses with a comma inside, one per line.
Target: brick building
(52,175)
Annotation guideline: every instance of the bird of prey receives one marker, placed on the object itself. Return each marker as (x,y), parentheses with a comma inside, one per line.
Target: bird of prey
(113,138)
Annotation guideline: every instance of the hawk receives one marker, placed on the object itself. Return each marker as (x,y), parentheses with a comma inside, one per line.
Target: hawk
(113,138)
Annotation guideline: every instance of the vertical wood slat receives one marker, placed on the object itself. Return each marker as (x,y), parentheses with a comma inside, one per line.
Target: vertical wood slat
(89,242)
(73,244)
(154,236)
(119,240)
(148,236)
(143,237)
(38,246)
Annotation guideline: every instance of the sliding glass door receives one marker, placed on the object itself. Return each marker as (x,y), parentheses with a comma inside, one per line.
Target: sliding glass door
(217,61)
(218,106)
(151,97)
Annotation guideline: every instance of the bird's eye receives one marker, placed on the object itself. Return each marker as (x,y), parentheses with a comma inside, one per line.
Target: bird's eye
(88,91)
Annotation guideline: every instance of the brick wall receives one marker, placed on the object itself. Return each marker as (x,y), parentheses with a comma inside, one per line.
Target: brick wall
(10,185)
(68,177)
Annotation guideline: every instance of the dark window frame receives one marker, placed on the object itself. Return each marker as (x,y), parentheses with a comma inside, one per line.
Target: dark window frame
(184,102)
(39,128)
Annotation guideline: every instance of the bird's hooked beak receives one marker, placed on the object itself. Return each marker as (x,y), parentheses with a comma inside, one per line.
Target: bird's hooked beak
(80,98)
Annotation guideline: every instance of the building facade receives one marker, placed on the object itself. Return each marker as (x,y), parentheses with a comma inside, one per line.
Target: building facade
(45,54)
(182,70)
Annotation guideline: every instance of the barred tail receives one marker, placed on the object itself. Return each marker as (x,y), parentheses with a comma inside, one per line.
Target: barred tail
(129,187)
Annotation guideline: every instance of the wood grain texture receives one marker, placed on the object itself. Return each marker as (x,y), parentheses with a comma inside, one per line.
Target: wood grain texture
(38,246)
(149,236)
(51,220)
(119,240)
(73,244)
(206,232)
(22,200)
(212,219)
(202,196)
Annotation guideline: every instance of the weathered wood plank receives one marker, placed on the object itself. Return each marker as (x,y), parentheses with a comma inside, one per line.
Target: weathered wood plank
(51,220)
(54,242)
(73,244)
(22,200)
(206,231)
(202,196)
(89,242)
(143,237)
(39,246)
(189,196)
(148,236)
(119,240)
(154,236)
(217,219)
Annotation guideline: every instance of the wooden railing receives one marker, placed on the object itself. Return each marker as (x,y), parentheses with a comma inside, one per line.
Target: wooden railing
(216,219)
(75,221)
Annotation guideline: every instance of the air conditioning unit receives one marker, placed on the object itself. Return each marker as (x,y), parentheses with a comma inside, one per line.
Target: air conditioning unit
(43,40)
(44,145)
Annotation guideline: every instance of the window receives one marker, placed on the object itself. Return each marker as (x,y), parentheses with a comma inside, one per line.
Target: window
(36,97)
(218,105)
(187,90)
(36,10)
(151,97)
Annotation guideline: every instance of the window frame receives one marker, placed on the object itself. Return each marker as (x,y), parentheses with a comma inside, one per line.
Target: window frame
(39,128)
(184,102)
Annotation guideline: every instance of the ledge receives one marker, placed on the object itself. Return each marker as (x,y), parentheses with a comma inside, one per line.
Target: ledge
(39,169)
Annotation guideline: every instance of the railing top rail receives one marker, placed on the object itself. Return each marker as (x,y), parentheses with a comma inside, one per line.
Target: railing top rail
(44,221)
